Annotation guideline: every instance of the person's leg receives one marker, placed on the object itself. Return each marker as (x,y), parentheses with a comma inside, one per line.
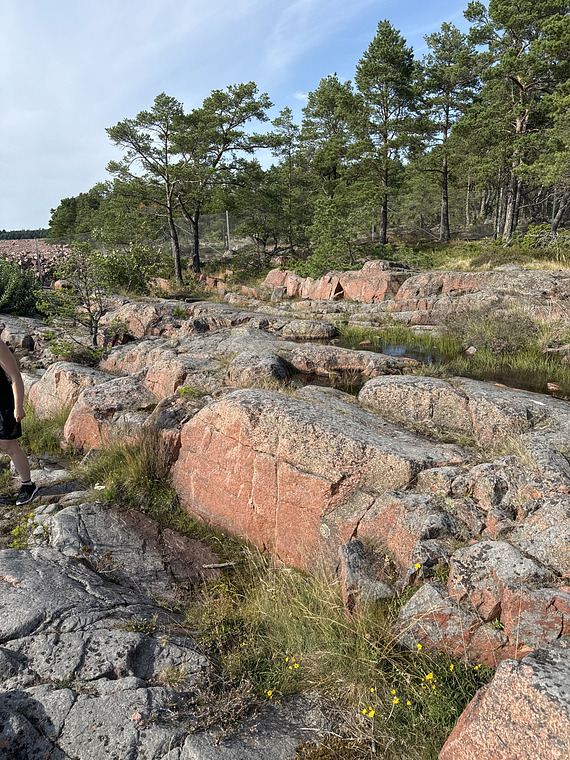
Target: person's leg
(13,449)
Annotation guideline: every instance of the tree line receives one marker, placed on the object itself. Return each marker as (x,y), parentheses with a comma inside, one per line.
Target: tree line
(23,234)
(476,132)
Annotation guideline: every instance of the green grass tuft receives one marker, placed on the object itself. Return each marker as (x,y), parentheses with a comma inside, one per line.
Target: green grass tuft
(287,633)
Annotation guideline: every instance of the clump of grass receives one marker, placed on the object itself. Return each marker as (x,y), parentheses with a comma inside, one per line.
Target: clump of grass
(530,369)
(44,436)
(442,346)
(134,474)
(288,633)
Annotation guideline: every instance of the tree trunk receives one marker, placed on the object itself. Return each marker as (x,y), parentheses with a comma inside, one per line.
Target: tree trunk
(193,222)
(444,219)
(444,233)
(557,218)
(383,232)
(510,208)
(498,211)
(175,248)
(196,264)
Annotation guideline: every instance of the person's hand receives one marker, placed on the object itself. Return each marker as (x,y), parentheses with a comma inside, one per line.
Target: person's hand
(19,413)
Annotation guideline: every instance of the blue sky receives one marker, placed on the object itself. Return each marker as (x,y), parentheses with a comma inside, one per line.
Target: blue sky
(71,68)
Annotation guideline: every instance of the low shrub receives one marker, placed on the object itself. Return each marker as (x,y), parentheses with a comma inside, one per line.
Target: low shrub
(18,290)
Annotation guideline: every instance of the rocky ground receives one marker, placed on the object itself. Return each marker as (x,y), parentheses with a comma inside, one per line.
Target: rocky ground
(35,255)
(464,485)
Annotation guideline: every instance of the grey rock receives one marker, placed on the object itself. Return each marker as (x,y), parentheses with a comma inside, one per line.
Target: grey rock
(274,733)
(357,577)
(425,400)
(480,573)
(249,367)
(545,534)
(307,329)
(126,545)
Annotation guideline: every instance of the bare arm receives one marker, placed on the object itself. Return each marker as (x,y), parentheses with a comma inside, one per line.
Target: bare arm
(8,364)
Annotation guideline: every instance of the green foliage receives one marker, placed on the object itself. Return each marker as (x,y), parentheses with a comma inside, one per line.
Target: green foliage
(288,633)
(22,234)
(333,230)
(191,391)
(130,270)
(81,302)
(18,290)
(44,436)
(133,474)
(20,534)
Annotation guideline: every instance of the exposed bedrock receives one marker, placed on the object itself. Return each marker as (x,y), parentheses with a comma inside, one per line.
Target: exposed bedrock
(523,714)
(293,475)
(431,298)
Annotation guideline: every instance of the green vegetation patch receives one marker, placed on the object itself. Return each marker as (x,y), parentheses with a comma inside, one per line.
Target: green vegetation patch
(287,633)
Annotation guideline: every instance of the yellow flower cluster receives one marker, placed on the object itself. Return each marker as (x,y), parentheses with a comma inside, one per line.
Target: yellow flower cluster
(293,664)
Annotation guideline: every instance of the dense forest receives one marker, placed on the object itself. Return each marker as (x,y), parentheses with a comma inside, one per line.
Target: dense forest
(474,137)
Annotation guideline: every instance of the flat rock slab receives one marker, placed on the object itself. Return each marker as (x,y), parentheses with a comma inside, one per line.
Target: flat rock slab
(274,733)
(130,546)
(524,713)
(99,650)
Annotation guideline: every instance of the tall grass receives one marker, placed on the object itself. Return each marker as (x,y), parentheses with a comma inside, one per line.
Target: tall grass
(505,352)
(287,633)
(44,436)
(133,473)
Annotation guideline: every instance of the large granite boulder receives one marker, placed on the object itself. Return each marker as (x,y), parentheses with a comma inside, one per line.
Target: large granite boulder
(426,400)
(524,713)
(60,386)
(121,404)
(486,411)
(279,471)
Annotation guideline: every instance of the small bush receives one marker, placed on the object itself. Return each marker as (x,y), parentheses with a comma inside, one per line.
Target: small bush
(18,290)
(131,269)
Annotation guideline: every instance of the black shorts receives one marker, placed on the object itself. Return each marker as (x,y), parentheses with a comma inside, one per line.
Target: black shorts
(9,428)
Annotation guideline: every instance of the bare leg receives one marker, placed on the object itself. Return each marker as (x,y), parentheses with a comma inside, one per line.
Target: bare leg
(14,451)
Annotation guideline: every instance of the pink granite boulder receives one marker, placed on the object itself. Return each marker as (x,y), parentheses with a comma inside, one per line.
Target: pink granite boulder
(117,406)
(60,386)
(523,714)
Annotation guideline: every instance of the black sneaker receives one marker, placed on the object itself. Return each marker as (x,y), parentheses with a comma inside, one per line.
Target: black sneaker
(26,494)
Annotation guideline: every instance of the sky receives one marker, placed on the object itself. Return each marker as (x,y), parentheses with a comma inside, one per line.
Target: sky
(71,68)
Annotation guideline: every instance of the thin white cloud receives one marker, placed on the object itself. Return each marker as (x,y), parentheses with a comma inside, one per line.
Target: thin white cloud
(304,25)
